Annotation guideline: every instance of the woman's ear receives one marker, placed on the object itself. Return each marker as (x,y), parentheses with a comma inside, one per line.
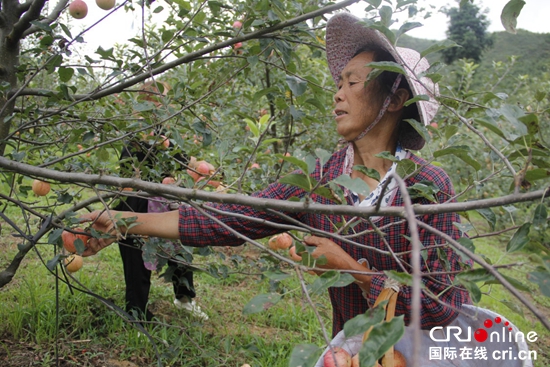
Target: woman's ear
(398,100)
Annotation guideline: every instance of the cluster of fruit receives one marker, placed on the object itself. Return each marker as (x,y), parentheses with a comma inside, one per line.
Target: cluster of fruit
(78,8)
(339,357)
(73,262)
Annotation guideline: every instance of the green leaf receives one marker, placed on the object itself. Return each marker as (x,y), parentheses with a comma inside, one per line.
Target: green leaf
(51,264)
(102,154)
(420,97)
(510,13)
(295,161)
(489,216)
(519,239)
(276,275)
(369,172)
(424,189)
(305,355)
(385,15)
(65,74)
(513,281)
(387,66)
(472,288)
(375,3)
(459,151)
(515,307)
(537,174)
(253,127)
(362,322)
(387,155)
(261,303)
(381,338)
(542,279)
(300,180)
(420,129)
(296,85)
(540,217)
(407,27)
(55,235)
(326,280)
(469,244)
(438,47)
(405,167)
(355,185)
(402,278)
(475,276)
(323,155)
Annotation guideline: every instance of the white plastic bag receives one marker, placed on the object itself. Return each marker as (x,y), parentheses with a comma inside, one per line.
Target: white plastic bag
(498,353)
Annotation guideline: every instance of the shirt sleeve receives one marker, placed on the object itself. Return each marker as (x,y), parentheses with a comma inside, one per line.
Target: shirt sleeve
(437,257)
(198,230)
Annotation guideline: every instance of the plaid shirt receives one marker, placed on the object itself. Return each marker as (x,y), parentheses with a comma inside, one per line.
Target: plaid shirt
(347,302)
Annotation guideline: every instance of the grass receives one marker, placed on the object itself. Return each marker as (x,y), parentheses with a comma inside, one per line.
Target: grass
(501,301)
(91,334)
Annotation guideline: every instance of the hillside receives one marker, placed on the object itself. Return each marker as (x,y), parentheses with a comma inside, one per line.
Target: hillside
(531,49)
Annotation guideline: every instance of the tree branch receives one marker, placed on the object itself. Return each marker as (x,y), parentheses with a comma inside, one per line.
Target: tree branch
(260,203)
(33,13)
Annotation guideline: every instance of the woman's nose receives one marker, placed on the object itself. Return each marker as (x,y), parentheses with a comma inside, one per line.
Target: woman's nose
(339,95)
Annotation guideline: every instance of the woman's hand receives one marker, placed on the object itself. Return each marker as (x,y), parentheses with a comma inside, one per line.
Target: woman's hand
(336,257)
(339,259)
(103,221)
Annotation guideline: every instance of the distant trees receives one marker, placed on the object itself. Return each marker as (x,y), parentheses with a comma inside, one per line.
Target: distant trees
(468,28)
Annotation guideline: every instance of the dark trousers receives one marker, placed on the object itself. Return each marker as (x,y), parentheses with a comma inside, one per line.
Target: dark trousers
(138,278)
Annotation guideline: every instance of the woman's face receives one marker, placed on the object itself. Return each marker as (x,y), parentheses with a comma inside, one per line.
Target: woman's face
(356,107)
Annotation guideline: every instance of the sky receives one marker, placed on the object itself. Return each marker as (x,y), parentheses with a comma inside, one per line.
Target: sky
(119,26)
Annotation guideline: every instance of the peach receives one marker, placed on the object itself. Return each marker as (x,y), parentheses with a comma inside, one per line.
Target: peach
(69,238)
(337,357)
(40,188)
(78,9)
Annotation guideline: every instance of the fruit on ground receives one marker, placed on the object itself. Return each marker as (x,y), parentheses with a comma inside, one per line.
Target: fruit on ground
(69,239)
(168,180)
(78,9)
(73,263)
(40,188)
(106,4)
(337,357)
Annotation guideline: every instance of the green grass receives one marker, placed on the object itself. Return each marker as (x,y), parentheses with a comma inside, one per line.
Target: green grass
(501,301)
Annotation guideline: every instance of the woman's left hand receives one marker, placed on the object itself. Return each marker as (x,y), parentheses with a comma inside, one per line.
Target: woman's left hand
(336,257)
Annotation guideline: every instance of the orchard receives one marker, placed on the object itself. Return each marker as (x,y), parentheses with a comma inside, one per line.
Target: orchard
(244,86)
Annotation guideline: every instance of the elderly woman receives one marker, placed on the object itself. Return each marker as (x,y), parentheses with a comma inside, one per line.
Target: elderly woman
(371,117)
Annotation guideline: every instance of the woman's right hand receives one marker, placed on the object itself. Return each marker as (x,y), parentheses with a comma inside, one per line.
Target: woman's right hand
(102,221)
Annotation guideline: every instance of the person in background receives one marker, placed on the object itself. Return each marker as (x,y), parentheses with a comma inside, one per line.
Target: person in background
(139,156)
(371,118)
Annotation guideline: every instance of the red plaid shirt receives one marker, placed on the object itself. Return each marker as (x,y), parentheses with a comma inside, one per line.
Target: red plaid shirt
(347,302)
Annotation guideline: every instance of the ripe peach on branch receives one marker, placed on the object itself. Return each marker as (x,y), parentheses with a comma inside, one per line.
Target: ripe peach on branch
(40,188)
(69,239)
